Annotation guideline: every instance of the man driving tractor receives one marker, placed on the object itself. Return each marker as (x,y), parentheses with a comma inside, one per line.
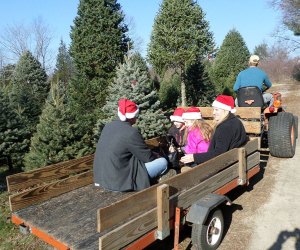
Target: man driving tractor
(254,77)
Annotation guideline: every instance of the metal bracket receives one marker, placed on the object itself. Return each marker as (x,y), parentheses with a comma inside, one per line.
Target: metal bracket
(24,229)
(162,234)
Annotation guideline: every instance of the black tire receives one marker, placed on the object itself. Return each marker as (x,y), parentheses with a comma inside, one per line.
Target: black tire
(281,135)
(209,235)
(296,125)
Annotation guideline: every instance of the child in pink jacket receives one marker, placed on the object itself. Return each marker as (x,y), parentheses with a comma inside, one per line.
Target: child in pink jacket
(198,131)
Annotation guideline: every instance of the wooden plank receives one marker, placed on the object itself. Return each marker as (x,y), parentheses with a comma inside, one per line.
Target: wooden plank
(188,197)
(122,210)
(47,191)
(242,167)
(252,146)
(28,179)
(248,113)
(132,230)
(243,112)
(251,127)
(21,181)
(163,227)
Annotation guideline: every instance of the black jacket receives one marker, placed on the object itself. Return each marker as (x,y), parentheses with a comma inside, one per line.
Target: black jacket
(228,134)
(120,156)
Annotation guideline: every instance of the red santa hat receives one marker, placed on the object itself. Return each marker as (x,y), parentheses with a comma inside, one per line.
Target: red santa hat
(127,109)
(192,113)
(177,115)
(224,102)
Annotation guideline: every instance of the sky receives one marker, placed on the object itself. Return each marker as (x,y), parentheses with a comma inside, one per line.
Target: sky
(255,20)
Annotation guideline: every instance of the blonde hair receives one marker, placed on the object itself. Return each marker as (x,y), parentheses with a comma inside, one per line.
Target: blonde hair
(205,129)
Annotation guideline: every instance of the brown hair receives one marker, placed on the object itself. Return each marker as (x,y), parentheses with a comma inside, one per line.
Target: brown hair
(205,129)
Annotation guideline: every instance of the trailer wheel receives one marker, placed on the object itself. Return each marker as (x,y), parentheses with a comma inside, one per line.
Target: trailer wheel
(209,235)
(282,135)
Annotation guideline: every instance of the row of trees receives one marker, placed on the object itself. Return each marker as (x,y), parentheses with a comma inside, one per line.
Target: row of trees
(50,119)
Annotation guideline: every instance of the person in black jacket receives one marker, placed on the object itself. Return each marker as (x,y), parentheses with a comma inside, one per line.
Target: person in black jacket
(229,131)
(123,162)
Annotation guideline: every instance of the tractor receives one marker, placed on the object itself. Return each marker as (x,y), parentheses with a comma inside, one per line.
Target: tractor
(279,128)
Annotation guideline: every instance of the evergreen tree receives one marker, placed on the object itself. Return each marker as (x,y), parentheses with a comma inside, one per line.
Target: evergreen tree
(55,139)
(14,136)
(29,89)
(99,42)
(180,39)
(262,51)
(169,91)
(201,92)
(6,74)
(232,57)
(135,85)
(64,66)
(141,63)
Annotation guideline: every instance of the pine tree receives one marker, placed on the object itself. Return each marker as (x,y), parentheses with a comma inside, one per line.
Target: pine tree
(201,92)
(232,57)
(169,91)
(99,42)
(135,85)
(262,50)
(64,69)
(14,137)
(29,89)
(6,74)
(55,139)
(141,63)
(180,38)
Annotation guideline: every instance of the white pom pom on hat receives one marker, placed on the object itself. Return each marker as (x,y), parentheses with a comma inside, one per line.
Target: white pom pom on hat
(127,109)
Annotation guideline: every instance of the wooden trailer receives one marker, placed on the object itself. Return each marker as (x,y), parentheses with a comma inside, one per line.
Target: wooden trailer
(60,204)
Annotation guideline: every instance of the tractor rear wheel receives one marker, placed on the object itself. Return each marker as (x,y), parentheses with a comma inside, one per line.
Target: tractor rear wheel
(282,135)
(296,126)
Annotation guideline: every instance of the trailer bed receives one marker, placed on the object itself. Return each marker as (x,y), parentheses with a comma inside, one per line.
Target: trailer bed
(71,217)
(60,204)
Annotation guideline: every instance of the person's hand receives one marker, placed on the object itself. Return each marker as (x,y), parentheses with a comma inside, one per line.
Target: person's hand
(172,149)
(187,158)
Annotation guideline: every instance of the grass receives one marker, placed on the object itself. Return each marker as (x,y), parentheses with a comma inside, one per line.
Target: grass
(10,236)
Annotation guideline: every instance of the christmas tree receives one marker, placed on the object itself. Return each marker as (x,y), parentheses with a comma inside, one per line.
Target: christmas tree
(55,139)
(134,84)
(14,136)
(29,89)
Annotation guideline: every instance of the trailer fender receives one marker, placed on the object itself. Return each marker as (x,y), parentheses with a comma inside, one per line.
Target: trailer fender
(199,211)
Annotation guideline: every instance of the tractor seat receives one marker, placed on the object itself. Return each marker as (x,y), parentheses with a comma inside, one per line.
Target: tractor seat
(250,97)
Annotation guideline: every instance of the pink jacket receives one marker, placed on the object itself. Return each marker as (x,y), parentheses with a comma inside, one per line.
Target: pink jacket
(195,142)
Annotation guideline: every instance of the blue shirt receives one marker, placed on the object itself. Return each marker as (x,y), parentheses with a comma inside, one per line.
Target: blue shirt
(252,77)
